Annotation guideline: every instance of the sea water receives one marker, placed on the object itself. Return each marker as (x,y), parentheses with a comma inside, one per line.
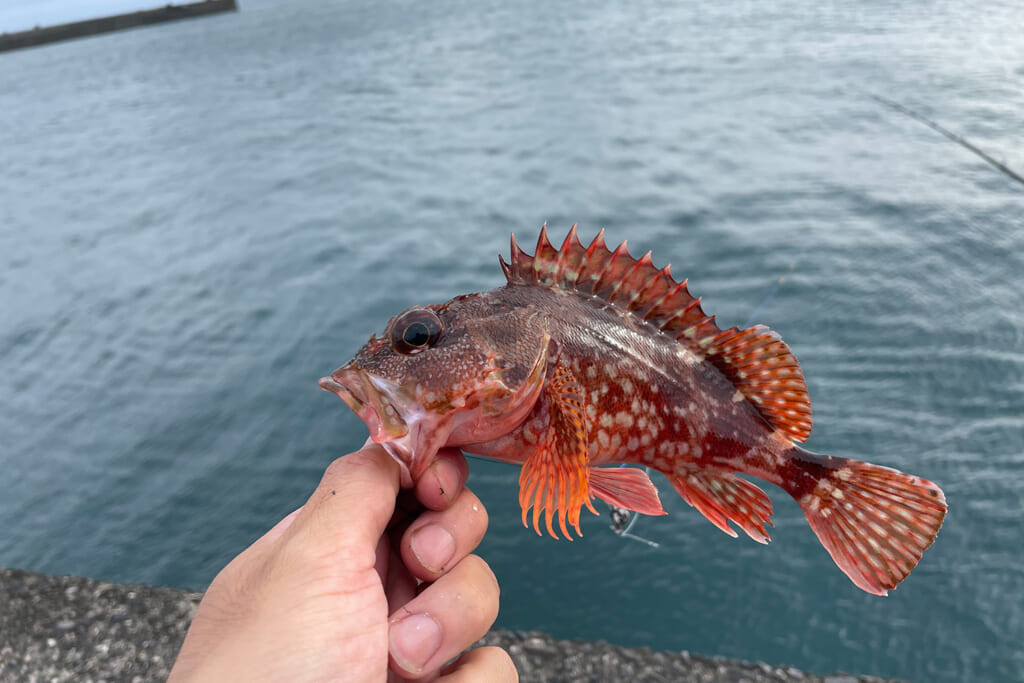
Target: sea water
(199,219)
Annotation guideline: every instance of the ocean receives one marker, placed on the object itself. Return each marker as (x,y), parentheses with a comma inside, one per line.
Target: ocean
(200,219)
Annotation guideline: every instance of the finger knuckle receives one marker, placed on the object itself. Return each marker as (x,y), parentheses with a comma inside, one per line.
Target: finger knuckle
(501,661)
(486,586)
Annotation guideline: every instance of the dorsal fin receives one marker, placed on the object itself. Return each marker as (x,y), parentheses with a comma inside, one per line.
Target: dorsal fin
(755,360)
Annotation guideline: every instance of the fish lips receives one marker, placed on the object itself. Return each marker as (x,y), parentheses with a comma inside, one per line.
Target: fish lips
(368,397)
(399,428)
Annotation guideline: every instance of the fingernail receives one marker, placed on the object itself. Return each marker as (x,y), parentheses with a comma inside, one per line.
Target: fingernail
(414,640)
(433,546)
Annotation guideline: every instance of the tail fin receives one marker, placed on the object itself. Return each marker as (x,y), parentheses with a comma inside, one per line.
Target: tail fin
(874,521)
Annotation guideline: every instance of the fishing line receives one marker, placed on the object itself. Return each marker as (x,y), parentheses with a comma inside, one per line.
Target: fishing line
(892,104)
(617,514)
(771,295)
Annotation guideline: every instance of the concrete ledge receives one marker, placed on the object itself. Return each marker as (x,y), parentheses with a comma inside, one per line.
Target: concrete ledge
(65,628)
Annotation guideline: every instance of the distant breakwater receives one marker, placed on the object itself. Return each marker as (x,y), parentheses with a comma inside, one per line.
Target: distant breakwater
(119,22)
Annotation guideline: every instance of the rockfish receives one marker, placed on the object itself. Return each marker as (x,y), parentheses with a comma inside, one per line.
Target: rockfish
(589,358)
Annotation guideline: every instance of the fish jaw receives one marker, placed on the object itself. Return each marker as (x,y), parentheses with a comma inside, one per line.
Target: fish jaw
(368,398)
(411,435)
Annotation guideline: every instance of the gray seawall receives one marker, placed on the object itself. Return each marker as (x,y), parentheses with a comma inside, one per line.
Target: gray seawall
(66,628)
(90,27)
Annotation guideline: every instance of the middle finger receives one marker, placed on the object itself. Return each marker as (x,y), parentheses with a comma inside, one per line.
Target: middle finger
(438,540)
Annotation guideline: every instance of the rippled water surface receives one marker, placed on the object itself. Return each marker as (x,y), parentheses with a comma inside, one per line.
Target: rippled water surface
(198,220)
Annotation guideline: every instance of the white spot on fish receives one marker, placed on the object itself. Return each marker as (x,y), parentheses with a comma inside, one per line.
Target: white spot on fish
(738,396)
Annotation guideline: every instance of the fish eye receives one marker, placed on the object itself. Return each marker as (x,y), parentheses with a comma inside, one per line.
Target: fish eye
(415,330)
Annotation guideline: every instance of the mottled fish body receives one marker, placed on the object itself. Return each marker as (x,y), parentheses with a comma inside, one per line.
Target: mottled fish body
(588,358)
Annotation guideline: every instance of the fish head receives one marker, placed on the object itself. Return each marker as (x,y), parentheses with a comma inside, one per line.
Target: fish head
(464,372)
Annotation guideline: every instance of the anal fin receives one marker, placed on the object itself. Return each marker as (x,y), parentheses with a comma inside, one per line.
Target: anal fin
(723,497)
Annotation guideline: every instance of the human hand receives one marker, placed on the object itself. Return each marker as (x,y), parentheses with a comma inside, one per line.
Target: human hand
(332,592)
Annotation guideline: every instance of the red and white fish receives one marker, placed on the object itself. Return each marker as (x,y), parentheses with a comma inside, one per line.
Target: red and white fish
(588,358)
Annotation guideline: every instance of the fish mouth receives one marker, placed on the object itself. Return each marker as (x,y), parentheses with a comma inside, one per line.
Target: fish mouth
(369,399)
(394,422)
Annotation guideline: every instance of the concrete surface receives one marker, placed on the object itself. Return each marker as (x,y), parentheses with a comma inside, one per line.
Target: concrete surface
(65,628)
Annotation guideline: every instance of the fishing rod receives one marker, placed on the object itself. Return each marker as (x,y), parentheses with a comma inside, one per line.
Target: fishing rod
(966,144)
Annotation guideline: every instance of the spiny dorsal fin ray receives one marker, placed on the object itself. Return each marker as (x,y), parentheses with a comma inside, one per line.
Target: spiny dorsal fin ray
(755,360)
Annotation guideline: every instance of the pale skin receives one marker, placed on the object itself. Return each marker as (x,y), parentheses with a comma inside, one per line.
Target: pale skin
(363,583)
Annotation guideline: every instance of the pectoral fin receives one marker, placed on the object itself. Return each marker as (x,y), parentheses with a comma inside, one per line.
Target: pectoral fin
(555,477)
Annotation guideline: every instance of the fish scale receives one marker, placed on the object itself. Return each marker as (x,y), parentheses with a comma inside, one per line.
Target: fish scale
(589,358)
